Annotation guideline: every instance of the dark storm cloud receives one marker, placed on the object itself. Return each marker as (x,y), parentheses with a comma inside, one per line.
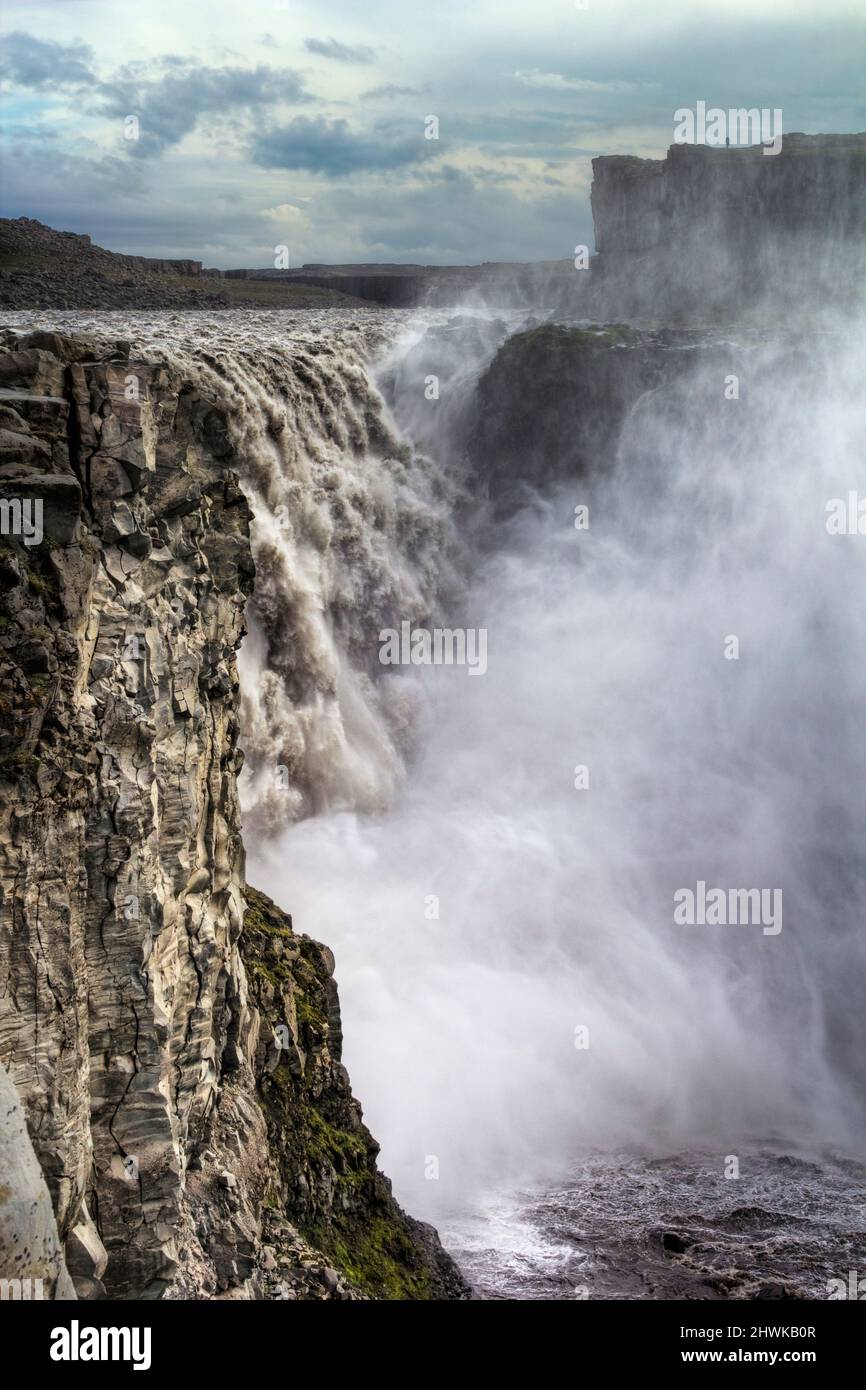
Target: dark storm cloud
(340,52)
(169,108)
(38,63)
(332,147)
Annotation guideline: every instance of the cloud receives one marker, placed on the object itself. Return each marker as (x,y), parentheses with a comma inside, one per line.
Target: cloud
(53,178)
(39,63)
(389,90)
(450,219)
(331,147)
(283,212)
(170,107)
(557,82)
(533,134)
(340,52)
(520,103)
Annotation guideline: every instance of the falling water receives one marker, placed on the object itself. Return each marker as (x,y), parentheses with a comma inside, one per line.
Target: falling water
(532,1031)
(517,990)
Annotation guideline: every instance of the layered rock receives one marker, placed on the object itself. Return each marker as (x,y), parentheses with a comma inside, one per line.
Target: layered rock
(713,232)
(176,1145)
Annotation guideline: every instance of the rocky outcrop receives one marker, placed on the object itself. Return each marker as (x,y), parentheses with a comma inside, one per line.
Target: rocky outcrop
(185,1156)
(42,268)
(552,403)
(324,1175)
(556,402)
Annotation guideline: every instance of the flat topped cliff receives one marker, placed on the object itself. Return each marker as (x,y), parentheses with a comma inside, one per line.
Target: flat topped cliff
(711,233)
(814,182)
(701,231)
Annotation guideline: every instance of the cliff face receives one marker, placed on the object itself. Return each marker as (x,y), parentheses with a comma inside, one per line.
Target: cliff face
(704,238)
(556,403)
(814,184)
(552,403)
(181,1077)
(713,231)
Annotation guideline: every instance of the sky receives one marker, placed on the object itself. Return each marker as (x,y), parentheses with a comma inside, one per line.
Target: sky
(301,123)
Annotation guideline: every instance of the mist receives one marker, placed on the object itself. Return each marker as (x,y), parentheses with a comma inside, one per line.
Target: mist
(554,1008)
(515,987)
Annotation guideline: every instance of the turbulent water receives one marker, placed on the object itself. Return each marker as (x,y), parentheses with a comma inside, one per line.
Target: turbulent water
(625,1226)
(352,530)
(592,1099)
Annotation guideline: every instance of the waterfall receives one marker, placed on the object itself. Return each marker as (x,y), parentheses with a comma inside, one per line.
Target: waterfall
(353,530)
(553,1002)
(516,988)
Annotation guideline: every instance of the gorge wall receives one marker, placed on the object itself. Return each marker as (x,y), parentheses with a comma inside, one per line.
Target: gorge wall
(713,233)
(175,1044)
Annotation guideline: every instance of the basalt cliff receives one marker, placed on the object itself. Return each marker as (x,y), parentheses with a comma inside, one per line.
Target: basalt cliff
(173,1044)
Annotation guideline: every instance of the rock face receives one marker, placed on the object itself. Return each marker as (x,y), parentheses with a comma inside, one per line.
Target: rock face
(814,184)
(324,1175)
(553,401)
(712,231)
(186,1154)
(556,402)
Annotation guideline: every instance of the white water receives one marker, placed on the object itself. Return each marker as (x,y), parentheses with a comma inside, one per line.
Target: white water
(605,649)
(556,905)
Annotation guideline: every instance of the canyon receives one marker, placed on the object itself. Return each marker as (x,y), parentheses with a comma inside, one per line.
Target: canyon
(180,1121)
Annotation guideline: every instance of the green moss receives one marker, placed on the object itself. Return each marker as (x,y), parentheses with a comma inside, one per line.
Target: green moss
(309,1015)
(46,588)
(379,1259)
(327,1159)
(257,919)
(559,338)
(327,1141)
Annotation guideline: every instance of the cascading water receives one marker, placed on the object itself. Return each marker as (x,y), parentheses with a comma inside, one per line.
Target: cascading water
(533,1032)
(549,1005)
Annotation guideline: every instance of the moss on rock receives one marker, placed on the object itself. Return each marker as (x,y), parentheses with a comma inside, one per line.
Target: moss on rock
(330,1187)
